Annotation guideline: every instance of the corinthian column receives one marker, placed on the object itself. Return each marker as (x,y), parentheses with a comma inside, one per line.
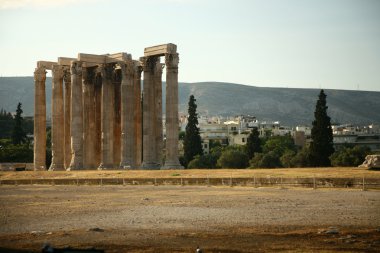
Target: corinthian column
(76,117)
(158,110)
(67,102)
(127,116)
(98,119)
(149,112)
(116,83)
(89,133)
(39,119)
(107,117)
(137,143)
(57,140)
(171,161)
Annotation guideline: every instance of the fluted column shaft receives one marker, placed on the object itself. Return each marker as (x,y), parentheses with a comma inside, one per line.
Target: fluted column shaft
(116,82)
(57,126)
(39,158)
(98,119)
(67,118)
(76,117)
(137,114)
(171,161)
(107,111)
(89,134)
(158,110)
(127,116)
(149,113)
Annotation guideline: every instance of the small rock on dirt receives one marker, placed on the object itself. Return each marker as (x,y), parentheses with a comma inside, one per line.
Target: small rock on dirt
(36,232)
(332,231)
(96,230)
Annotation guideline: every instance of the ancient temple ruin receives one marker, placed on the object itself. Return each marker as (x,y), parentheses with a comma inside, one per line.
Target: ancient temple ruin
(102,118)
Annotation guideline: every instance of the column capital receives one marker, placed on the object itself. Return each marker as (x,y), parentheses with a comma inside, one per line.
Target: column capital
(137,67)
(159,68)
(88,75)
(40,74)
(66,75)
(76,67)
(127,68)
(171,61)
(106,70)
(149,63)
(57,72)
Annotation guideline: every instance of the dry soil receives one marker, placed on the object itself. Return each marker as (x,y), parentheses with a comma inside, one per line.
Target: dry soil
(178,219)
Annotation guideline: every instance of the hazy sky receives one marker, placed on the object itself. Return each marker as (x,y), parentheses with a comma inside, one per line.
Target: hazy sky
(273,43)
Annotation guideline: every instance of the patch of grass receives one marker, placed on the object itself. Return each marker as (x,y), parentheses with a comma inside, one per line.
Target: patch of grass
(175,175)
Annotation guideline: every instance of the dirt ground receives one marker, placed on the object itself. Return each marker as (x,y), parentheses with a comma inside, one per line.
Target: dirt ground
(178,219)
(330,172)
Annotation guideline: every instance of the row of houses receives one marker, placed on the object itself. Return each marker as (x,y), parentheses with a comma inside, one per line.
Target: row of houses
(235,131)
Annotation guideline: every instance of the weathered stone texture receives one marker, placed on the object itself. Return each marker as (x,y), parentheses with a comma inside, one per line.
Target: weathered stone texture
(371,161)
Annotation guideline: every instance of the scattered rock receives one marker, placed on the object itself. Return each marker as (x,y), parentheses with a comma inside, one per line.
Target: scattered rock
(348,237)
(96,230)
(332,231)
(49,233)
(37,232)
(371,161)
(145,199)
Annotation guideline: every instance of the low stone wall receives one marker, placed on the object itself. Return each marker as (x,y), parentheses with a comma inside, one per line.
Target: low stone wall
(370,183)
(16,166)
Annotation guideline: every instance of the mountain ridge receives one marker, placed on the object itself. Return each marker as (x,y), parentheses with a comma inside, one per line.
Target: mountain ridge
(290,106)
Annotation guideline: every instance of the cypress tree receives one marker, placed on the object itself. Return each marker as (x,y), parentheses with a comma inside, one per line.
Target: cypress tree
(253,143)
(18,134)
(192,142)
(321,147)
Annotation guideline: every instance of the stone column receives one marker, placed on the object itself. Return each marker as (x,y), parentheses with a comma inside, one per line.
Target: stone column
(98,119)
(116,82)
(128,148)
(39,119)
(76,117)
(158,110)
(137,113)
(89,134)
(171,161)
(107,109)
(67,127)
(57,126)
(149,111)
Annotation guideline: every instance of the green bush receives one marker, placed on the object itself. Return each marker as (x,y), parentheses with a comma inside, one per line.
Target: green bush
(279,144)
(268,160)
(286,158)
(233,157)
(301,159)
(16,153)
(348,157)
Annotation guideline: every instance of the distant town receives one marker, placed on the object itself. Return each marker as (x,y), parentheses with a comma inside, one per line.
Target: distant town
(235,130)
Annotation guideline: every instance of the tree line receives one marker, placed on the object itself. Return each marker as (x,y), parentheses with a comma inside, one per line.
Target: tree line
(271,151)
(266,152)
(15,146)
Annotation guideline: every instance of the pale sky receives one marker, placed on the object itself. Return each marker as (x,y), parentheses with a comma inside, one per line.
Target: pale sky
(269,43)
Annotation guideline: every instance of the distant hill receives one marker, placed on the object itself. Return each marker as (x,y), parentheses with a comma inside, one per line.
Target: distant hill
(287,105)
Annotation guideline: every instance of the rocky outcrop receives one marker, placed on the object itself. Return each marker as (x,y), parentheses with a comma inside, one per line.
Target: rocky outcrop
(371,161)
